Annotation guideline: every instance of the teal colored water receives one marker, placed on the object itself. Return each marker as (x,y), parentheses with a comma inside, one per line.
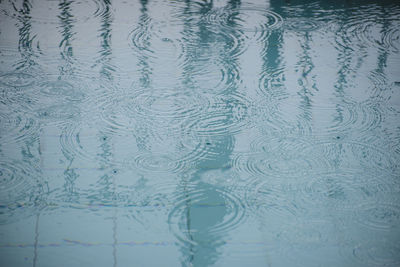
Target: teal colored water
(199,133)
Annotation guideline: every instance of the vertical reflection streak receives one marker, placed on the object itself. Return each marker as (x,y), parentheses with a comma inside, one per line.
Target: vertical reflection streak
(271,53)
(145,69)
(107,69)
(272,56)
(187,69)
(346,56)
(205,206)
(106,74)
(69,186)
(25,39)
(306,91)
(66,21)
(383,54)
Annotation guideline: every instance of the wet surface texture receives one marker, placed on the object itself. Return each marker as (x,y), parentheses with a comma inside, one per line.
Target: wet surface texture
(199,133)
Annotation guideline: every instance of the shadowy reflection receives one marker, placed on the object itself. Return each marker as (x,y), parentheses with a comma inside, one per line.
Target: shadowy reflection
(383,54)
(108,192)
(307,87)
(270,51)
(107,69)
(67,33)
(25,43)
(26,49)
(145,69)
(71,195)
(66,21)
(206,207)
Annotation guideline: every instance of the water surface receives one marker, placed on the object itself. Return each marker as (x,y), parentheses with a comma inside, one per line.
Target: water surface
(199,133)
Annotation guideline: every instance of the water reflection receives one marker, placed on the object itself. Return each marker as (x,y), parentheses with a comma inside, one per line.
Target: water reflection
(105,53)
(206,212)
(213,131)
(107,72)
(145,30)
(66,20)
(27,40)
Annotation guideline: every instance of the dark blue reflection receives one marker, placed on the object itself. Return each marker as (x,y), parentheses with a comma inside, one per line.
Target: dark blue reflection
(206,206)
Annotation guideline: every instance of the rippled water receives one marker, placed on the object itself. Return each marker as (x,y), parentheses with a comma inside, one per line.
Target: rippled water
(199,133)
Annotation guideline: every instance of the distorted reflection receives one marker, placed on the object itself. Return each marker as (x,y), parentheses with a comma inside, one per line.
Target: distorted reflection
(67,32)
(26,44)
(199,133)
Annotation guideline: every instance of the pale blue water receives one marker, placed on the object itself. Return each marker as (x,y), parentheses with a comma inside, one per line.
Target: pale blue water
(199,133)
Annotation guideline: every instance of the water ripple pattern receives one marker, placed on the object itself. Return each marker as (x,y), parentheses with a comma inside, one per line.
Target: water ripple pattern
(59,88)
(258,21)
(21,188)
(150,33)
(17,79)
(157,162)
(384,254)
(164,104)
(285,158)
(379,216)
(187,219)
(215,133)
(17,126)
(362,31)
(301,24)
(227,114)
